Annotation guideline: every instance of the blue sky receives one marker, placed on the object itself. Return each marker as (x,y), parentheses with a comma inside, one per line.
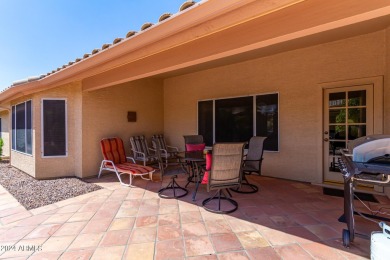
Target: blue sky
(38,36)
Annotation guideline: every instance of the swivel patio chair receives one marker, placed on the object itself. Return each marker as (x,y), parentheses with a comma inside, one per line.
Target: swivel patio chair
(173,189)
(167,152)
(115,160)
(225,174)
(141,151)
(252,164)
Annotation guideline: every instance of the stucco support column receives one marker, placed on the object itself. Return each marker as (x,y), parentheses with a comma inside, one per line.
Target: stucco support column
(78,128)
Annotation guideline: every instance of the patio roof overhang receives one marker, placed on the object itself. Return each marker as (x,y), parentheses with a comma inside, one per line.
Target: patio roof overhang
(217,33)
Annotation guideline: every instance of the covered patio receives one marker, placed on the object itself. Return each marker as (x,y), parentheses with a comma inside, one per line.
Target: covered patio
(304,54)
(284,220)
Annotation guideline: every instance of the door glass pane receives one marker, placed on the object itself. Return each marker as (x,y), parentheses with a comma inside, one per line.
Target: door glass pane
(334,153)
(337,132)
(355,131)
(336,116)
(335,146)
(357,98)
(356,115)
(337,99)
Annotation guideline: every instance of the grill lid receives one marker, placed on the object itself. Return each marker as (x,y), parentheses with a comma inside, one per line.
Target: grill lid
(371,148)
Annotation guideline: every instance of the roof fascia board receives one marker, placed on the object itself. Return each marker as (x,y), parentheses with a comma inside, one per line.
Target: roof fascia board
(99,81)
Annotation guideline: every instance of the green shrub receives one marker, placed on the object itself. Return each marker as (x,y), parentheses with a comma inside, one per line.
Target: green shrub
(1,146)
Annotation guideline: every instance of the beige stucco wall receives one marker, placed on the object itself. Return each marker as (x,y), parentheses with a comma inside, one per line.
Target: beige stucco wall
(38,166)
(59,166)
(5,132)
(296,75)
(105,115)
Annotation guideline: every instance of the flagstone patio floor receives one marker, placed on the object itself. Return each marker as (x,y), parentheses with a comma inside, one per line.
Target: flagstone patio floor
(284,220)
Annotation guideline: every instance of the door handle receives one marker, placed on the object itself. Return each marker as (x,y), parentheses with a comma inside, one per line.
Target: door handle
(326,139)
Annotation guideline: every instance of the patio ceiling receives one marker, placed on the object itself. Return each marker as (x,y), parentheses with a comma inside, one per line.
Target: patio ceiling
(216,33)
(301,24)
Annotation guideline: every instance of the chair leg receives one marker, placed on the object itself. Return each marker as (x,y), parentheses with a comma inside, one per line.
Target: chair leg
(220,195)
(174,186)
(101,169)
(245,183)
(130,180)
(196,191)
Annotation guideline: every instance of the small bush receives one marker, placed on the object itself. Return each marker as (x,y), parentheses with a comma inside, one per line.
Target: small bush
(1,146)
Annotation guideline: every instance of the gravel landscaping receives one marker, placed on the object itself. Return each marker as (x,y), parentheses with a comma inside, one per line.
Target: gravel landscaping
(32,193)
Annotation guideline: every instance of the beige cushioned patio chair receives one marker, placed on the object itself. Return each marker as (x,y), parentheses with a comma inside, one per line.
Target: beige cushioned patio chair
(225,174)
(252,164)
(141,150)
(115,160)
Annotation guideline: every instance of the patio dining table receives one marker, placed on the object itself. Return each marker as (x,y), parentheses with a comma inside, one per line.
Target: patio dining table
(195,159)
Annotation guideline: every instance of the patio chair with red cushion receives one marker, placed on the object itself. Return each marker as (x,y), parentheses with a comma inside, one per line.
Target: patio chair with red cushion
(115,160)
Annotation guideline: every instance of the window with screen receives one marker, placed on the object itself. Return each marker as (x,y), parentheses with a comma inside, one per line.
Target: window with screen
(22,127)
(238,119)
(205,121)
(267,123)
(233,119)
(54,127)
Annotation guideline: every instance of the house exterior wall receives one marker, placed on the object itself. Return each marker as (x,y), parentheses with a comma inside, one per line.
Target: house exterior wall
(297,76)
(59,166)
(105,115)
(5,132)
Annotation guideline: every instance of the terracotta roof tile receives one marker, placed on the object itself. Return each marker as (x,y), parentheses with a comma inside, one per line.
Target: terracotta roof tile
(164,17)
(117,40)
(130,33)
(146,26)
(186,4)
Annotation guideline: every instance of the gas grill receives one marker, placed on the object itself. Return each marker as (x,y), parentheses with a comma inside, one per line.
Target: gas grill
(366,161)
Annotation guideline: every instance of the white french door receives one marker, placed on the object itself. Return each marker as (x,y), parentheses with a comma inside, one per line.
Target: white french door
(348,114)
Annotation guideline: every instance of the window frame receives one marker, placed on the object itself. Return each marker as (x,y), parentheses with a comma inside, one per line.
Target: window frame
(13,133)
(254,114)
(43,132)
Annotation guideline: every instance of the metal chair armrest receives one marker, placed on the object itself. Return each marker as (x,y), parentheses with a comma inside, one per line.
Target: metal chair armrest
(136,152)
(130,158)
(173,147)
(109,161)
